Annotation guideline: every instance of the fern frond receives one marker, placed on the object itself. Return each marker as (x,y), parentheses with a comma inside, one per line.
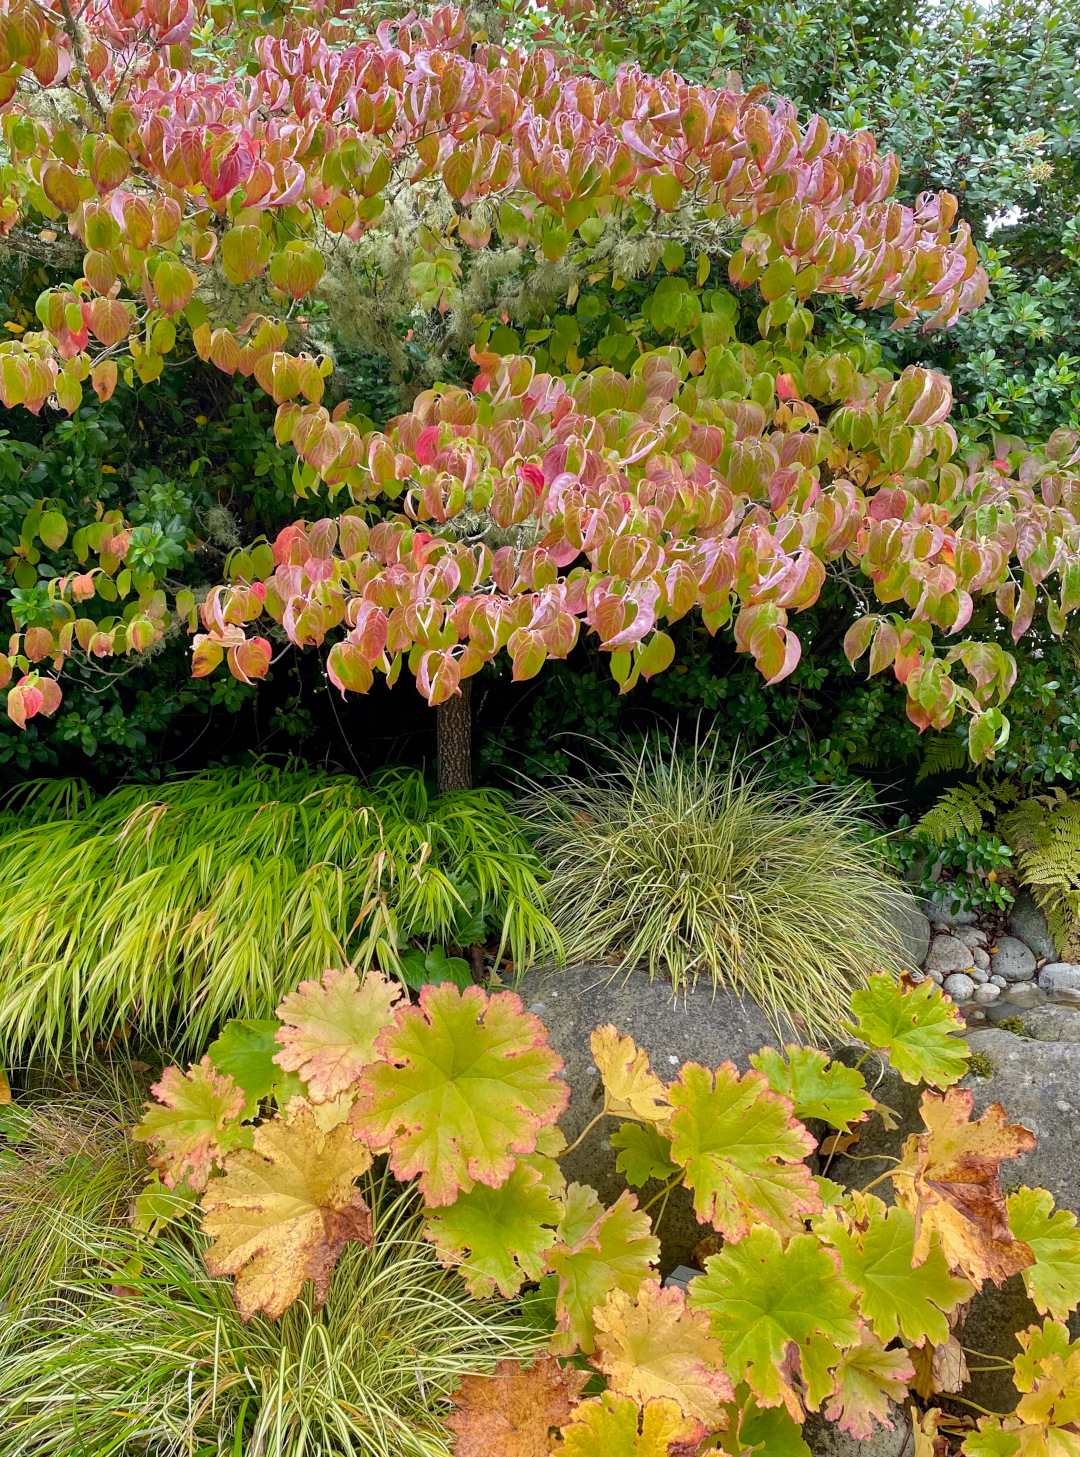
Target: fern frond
(959,809)
(944,754)
(1044,835)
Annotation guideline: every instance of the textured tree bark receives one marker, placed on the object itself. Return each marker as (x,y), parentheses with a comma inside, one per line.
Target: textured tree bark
(453,721)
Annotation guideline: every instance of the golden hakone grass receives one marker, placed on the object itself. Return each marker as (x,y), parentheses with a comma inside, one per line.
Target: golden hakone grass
(165,908)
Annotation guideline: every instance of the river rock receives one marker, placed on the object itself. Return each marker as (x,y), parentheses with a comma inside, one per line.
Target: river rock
(948,954)
(1025,994)
(699,1026)
(1013,960)
(941,913)
(971,936)
(960,987)
(1061,979)
(906,923)
(984,995)
(981,957)
(1027,922)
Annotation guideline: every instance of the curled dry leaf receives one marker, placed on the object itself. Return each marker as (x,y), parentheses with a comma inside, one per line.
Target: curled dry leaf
(283,1212)
(512,1412)
(468,1081)
(615,1426)
(631,1089)
(193,1124)
(949,1180)
(330,1028)
(742,1151)
(938,1369)
(650,1345)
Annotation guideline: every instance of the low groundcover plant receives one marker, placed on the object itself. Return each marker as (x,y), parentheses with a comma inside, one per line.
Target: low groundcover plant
(819,1297)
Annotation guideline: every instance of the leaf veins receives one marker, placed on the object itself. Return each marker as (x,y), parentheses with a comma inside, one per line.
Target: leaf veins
(511,1412)
(193,1124)
(468,1081)
(284,1210)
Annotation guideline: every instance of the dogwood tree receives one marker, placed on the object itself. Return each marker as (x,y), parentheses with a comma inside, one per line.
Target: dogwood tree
(195,174)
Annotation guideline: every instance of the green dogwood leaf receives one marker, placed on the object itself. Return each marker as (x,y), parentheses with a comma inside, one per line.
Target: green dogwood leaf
(742,1151)
(877,1254)
(816,1087)
(467,1082)
(599,1250)
(762,1296)
(1053,1281)
(644,1153)
(914,1026)
(499,1237)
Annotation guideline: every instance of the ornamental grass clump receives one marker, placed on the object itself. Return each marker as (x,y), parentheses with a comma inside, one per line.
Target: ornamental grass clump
(694,868)
(67,1158)
(166,1365)
(167,908)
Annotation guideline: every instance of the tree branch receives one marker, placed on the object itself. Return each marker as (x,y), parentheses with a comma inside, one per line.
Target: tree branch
(89,88)
(63,252)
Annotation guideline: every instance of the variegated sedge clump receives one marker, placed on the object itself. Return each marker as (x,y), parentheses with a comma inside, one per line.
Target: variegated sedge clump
(821,1298)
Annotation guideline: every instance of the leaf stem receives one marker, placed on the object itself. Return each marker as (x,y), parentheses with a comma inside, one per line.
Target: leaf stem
(664,1192)
(976,1407)
(880,1178)
(586,1130)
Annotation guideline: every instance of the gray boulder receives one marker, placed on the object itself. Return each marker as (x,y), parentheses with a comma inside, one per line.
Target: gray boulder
(948,954)
(1061,979)
(699,1026)
(1013,960)
(1027,922)
(1052,1023)
(907,924)
(826,1440)
(1038,1085)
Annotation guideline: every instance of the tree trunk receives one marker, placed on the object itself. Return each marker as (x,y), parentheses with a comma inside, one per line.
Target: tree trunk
(453,721)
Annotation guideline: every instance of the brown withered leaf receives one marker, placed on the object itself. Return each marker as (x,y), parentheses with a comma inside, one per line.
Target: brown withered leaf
(284,1210)
(709,1244)
(938,1369)
(948,1179)
(511,1413)
(929,1442)
(839,1143)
